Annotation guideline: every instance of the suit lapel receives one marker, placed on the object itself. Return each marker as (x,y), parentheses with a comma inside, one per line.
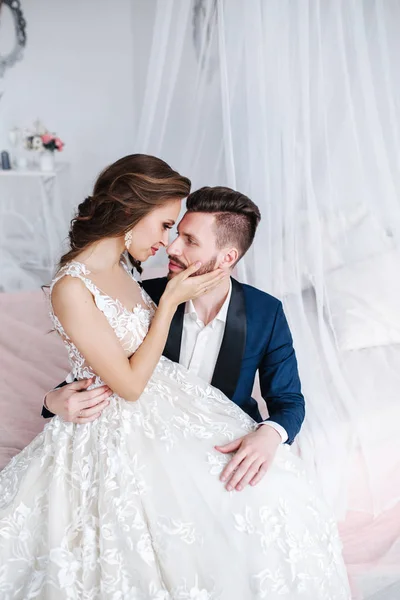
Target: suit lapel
(229,361)
(172,348)
(155,287)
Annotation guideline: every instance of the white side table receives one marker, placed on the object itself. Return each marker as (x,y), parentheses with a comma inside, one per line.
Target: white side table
(35,210)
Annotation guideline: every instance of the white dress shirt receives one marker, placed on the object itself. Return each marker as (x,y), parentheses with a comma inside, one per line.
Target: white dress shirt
(201,344)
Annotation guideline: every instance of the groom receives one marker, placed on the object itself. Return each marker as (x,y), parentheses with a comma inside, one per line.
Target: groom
(225,336)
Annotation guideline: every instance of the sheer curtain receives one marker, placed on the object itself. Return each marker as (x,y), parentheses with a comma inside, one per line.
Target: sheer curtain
(297,104)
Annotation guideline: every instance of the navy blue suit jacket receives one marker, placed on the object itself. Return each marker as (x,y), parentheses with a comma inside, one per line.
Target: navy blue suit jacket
(256,338)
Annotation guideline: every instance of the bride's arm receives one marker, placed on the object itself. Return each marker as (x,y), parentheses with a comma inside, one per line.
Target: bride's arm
(91,333)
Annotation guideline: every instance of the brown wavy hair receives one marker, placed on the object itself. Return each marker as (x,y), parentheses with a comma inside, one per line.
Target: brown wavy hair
(123,194)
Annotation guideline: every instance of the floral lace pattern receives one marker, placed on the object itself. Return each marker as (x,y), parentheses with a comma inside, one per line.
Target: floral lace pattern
(130,506)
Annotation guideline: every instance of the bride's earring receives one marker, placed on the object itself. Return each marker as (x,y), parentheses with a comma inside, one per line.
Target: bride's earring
(128,239)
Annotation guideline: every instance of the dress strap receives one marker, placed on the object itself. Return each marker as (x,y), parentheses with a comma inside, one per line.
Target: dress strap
(74,269)
(79,270)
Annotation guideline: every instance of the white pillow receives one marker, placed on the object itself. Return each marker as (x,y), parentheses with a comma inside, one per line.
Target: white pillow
(364,302)
(347,236)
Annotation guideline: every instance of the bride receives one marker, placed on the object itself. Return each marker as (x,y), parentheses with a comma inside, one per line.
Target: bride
(130,506)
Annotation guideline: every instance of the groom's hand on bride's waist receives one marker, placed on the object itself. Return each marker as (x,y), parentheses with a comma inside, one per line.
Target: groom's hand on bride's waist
(76,404)
(254,454)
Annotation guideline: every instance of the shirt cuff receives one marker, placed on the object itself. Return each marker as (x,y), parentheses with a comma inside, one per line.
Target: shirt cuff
(281,430)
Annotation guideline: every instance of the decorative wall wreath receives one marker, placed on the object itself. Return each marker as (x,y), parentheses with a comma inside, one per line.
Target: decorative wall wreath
(16,53)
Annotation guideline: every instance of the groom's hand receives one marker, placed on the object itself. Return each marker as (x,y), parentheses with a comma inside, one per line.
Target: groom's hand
(254,454)
(76,404)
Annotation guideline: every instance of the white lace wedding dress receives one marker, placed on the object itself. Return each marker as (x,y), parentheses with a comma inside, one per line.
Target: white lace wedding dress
(130,507)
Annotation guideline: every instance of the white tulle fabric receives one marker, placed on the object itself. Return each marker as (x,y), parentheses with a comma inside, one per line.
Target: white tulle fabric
(130,507)
(298,106)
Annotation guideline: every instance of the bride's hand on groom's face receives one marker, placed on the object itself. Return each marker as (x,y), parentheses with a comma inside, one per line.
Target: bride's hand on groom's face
(254,454)
(187,285)
(74,403)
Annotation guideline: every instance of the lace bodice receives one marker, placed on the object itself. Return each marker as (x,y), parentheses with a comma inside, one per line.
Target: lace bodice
(130,326)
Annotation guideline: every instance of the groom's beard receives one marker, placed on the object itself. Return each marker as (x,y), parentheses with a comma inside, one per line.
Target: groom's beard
(205,268)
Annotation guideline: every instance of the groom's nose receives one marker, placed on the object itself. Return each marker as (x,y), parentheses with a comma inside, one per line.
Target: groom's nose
(174,249)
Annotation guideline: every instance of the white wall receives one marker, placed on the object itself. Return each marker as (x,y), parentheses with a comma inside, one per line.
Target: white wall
(77,77)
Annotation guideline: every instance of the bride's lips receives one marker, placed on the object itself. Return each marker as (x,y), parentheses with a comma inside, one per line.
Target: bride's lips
(153,250)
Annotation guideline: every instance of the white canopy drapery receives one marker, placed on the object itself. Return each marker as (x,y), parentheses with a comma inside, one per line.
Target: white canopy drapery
(298,105)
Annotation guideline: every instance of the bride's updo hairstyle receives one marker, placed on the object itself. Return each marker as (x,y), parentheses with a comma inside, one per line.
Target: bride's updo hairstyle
(123,194)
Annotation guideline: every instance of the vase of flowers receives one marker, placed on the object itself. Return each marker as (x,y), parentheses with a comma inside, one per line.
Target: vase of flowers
(45,144)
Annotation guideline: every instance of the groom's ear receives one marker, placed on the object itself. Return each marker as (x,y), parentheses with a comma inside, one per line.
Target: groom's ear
(229,257)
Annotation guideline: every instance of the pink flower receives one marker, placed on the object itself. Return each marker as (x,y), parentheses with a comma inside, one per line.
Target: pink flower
(47,137)
(59,144)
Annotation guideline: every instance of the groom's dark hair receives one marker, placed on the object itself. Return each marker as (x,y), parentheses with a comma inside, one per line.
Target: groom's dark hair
(236,216)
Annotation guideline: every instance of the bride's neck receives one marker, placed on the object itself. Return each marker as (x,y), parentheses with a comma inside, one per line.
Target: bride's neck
(103,255)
